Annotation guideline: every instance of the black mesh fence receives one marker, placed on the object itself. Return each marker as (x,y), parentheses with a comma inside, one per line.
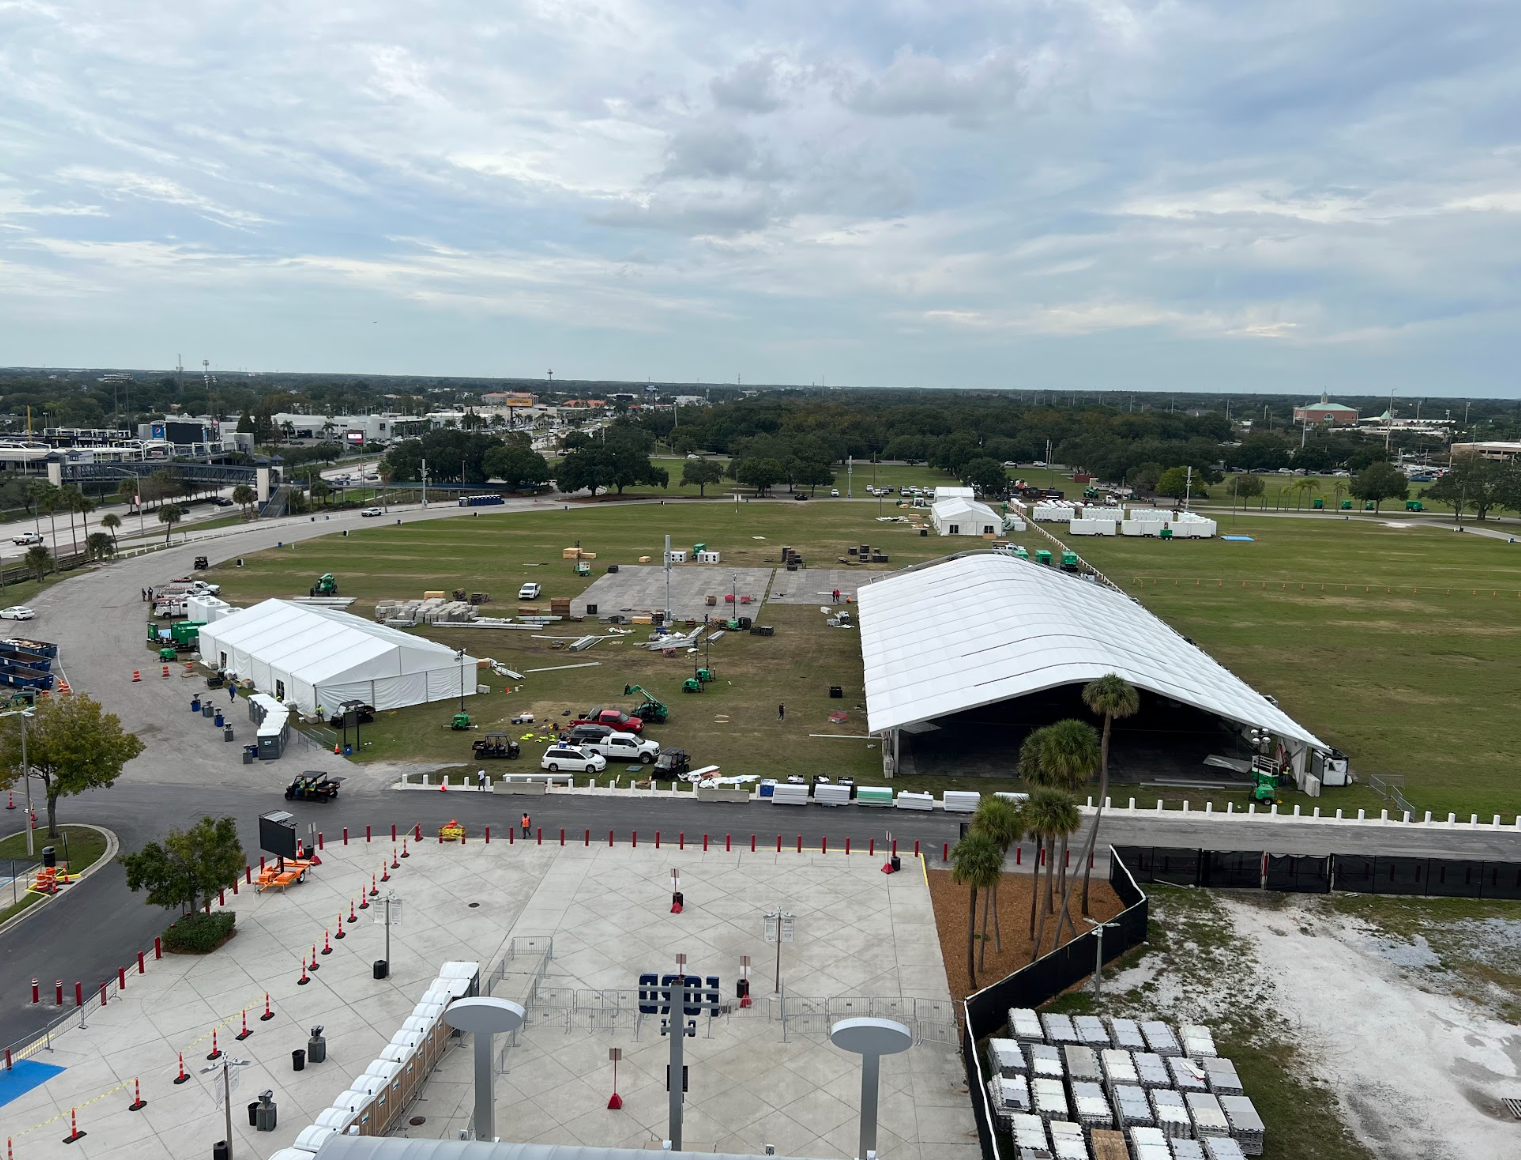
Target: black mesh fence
(1300,873)
(1232,869)
(1454,878)
(1354,873)
(978,1077)
(1502,880)
(1170,865)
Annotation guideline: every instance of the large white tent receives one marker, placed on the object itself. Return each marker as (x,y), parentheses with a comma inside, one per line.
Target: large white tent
(321,656)
(985,628)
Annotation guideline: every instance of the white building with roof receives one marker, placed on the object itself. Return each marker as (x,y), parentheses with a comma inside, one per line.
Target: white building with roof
(314,656)
(964,516)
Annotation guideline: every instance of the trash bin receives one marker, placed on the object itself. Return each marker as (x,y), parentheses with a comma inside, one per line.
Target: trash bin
(298,1059)
(250,754)
(49,858)
(219,1150)
(348,750)
(195,704)
(208,710)
(220,720)
(381,968)
(226,732)
(316,1046)
(266,1115)
(253,1114)
(897,863)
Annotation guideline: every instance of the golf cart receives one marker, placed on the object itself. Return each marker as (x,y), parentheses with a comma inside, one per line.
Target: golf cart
(671,764)
(313,786)
(495,745)
(200,564)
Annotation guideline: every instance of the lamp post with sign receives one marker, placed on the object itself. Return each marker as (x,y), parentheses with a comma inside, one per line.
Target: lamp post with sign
(779,930)
(389,915)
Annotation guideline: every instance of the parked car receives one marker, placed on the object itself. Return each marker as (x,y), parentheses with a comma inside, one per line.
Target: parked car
(371,512)
(27,539)
(622,747)
(529,591)
(221,501)
(16,612)
(583,733)
(572,759)
(615,718)
(203,588)
(834,492)
(801,495)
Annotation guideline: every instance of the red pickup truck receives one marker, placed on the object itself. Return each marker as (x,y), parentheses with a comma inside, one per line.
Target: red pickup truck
(616,719)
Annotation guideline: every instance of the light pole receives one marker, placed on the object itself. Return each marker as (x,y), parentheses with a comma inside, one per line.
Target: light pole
(26,776)
(1098,956)
(871,1039)
(1389,426)
(226,1064)
(484,1017)
(460,656)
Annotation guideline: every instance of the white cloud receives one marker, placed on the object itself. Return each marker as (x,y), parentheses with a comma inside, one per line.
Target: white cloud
(150,187)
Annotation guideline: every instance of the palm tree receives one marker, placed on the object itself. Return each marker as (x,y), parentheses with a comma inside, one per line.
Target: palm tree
(99,546)
(111,521)
(1052,815)
(244,496)
(37,559)
(975,862)
(68,503)
(127,490)
(1001,820)
(49,498)
(1066,758)
(1114,697)
(169,514)
(1339,489)
(1308,484)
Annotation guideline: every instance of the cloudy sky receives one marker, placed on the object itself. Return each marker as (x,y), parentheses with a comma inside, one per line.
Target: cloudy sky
(1159,194)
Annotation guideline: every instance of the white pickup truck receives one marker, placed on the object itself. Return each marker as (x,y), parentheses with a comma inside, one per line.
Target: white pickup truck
(622,747)
(27,539)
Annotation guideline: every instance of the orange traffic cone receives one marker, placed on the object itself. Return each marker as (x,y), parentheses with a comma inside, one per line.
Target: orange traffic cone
(166,672)
(137,675)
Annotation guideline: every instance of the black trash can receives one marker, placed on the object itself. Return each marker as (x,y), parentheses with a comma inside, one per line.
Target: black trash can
(897,864)
(49,858)
(219,1150)
(253,1114)
(381,968)
(298,1059)
(266,1117)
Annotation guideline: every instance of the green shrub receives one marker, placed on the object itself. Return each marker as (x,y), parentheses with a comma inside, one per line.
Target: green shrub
(199,934)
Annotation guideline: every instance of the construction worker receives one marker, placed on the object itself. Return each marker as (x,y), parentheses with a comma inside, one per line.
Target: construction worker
(527,824)
(480,779)
(232,691)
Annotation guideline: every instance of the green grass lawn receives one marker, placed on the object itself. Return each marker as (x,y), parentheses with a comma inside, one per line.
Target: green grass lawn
(84,845)
(1370,635)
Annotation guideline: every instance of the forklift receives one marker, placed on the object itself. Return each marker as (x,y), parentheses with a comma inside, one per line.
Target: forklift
(327,585)
(650,711)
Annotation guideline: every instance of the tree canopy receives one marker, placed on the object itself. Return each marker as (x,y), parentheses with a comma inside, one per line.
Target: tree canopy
(72,746)
(1380,481)
(701,473)
(189,866)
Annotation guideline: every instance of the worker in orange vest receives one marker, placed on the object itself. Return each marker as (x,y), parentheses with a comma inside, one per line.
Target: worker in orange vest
(527,823)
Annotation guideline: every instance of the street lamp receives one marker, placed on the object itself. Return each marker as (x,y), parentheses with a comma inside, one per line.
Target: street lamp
(484,1017)
(460,656)
(1098,960)
(871,1039)
(26,776)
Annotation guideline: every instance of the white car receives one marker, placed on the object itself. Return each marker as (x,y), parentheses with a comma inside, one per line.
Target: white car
(201,588)
(572,760)
(529,591)
(27,539)
(16,612)
(369,513)
(835,492)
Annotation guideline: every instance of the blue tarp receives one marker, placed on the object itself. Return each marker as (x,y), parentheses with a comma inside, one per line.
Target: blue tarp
(23,1077)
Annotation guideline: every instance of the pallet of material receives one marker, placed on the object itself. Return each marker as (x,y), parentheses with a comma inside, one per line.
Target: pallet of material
(1108,1146)
(1024,1024)
(1208,1119)
(1151,1070)
(1118,1067)
(1051,1099)
(1160,1039)
(1148,1144)
(1029,1132)
(1126,1033)
(1131,1107)
(1171,1112)
(1246,1125)
(1082,1064)
(1187,1075)
(1008,1097)
(1222,1148)
(1045,1061)
(1068,1141)
(1059,1028)
(1187,1150)
(1091,1030)
(1221,1073)
(1006,1058)
(1198,1040)
(1091,1105)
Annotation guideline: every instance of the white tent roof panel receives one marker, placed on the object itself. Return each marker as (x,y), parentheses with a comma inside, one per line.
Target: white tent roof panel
(985,628)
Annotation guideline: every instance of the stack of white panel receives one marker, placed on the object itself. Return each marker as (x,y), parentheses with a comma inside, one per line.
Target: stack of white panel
(1130,1106)
(1186,1149)
(1126,1033)
(1051,1100)
(1198,1040)
(1221,1073)
(1024,1024)
(1246,1125)
(1118,1067)
(1082,1064)
(1148,1144)
(1187,1075)
(1160,1039)
(1091,1030)
(1045,1061)
(1068,1141)
(1029,1132)
(1008,1097)
(1092,1105)
(1006,1058)
(1222,1148)
(1059,1029)
(1151,1070)
(1171,1112)
(1208,1119)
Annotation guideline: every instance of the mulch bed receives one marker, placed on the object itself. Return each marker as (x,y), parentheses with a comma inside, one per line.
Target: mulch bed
(950,902)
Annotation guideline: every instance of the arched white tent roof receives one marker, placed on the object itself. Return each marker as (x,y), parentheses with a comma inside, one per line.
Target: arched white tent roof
(988,627)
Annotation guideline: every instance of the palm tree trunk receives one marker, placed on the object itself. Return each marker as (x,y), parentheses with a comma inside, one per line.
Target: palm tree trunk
(1098,815)
(53,529)
(982,951)
(997,934)
(1035,884)
(1045,904)
(971,926)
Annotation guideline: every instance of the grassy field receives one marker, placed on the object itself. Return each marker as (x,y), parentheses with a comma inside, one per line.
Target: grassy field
(866,474)
(1401,646)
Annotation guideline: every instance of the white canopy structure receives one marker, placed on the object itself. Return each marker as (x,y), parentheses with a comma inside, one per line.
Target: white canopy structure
(963,516)
(321,656)
(984,628)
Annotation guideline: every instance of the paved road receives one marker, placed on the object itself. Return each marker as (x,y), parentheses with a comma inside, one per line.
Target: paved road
(98,619)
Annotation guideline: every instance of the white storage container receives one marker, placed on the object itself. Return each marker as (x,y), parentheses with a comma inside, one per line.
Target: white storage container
(831,795)
(1208,1119)
(708,557)
(336,1118)
(960,801)
(459,969)
(678,555)
(912,801)
(788,795)
(383,1070)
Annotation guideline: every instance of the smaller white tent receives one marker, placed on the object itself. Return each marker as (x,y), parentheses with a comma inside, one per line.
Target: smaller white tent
(321,656)
(954,493)
(960,516)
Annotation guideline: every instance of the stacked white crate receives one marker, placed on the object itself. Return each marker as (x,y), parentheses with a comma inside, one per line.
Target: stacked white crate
(1091,1030)
(1151,1069)
(1222,1148)
(1024,1024)
(1208,1119)
(1006,1057)
(1068,1141)
(1131,1108)
(1118,1067)
(1050,1099)
(1160,1039)
(1187,1075)
(1148,1144)
(1009,1097)
(1091,1105)
(1246,1125)
(1082,1064)
(1029,1135)
(1171,1112)
(1198,1040)
(1045,1061)
(1186,1149)
(1221,1072)
(1059,1029)
(1126,1033)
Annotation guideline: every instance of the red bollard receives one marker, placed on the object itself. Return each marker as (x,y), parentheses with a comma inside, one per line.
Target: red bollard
(588,838)
(221,898)
(235,886)
(320,844)
(417,832)
(462,835)
(36,990)
(1019,855)
(778,843)
(562,835)
(538,834)
(140,969)
(248,875)
(1042,859)
(847,845)
(895,847)
(871,849)
(78,994)
(657,839)
(945,852)
(1090,859)
(726,843)
(345,835)
(823,845)
(511,838)
(1066,859)
(681,840)
(634,839)
(261,863)
(121,978)
(752,843)
(393,831)
(58,992)
(488,835)
(367,833)
(916,847)
(705,843)
(800,843)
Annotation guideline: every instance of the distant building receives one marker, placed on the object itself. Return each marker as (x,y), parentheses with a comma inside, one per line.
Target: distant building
(1334,414)
(1491,450)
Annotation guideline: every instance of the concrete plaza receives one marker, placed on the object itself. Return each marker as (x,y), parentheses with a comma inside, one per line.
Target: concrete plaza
(860,934)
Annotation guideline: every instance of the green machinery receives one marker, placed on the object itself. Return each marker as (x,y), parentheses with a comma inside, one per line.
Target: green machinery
(705,675)
(186,634)
(1414,505)
(1069,561)
(1021,552)
(1369,505)
(167,654)
(1346,505)
(691,685)
(1090,493)
(650,711)
(1318,504)
(1265,780)
(583,568)
(460,721)
(327,585)
(1042,556)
